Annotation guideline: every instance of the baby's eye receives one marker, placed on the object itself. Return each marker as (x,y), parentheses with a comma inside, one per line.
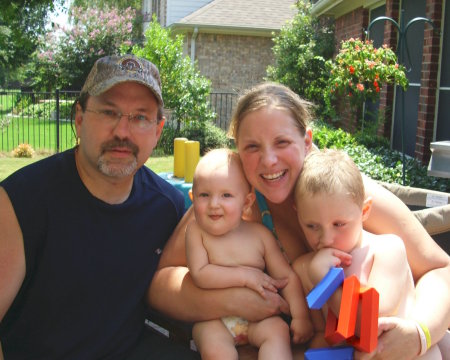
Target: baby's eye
(203,195)
(312,227)
(227,195)
(339,224)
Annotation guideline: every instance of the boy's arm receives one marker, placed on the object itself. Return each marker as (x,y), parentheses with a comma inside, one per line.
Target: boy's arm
(389,258)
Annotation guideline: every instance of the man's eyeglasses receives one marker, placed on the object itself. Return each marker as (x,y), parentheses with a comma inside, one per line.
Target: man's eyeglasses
(139,122)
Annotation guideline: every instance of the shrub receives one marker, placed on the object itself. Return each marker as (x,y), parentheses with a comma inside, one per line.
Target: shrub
(380,162)
(23,151)
(209,136)
(301,50)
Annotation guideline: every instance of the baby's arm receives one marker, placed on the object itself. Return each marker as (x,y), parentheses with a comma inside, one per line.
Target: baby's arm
(390,274)
(278,267)
(210,276)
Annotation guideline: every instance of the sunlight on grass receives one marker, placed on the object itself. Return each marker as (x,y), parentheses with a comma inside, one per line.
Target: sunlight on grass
(9,164)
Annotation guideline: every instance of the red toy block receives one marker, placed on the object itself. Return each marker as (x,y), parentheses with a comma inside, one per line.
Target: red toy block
(368,339)
(340,329)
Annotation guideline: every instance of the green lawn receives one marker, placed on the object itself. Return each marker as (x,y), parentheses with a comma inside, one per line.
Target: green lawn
(10,164)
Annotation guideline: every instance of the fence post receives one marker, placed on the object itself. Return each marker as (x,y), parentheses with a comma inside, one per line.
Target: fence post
(57,120)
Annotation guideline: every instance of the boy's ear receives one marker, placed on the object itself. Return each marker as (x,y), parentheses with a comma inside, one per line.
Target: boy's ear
(367,206)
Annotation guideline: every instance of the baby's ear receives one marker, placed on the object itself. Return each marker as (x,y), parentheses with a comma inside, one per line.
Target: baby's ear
(367,207)
(190,195)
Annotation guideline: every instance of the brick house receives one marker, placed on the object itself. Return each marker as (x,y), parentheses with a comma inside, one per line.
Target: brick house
(427,101)
(231,40)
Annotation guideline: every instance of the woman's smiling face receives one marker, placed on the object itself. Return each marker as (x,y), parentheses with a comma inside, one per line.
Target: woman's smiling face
(272,150)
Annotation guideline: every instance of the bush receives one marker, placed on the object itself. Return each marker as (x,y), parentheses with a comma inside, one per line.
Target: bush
(209,136)
(23,151)
(380,162)
(301,50)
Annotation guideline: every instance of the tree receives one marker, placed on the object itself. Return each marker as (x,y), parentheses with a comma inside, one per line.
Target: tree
(21,24)
(66,54)
(185,91)
(301,50)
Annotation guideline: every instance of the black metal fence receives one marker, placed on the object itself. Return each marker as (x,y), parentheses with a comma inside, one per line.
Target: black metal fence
(42,119)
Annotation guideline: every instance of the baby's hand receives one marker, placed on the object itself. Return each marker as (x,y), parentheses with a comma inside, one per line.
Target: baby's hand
(260,282)
(302,330)
(324,260)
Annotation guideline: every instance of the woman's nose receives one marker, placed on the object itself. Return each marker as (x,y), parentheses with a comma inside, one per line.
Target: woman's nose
(269,157)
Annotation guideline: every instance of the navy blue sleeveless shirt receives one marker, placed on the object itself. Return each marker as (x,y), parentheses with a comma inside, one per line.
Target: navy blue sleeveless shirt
(88,263)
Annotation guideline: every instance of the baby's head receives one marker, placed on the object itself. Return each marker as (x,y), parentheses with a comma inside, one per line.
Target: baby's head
(220,191)
(329,197)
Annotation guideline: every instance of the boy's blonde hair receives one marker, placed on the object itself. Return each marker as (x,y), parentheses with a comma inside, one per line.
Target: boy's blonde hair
(330,172)
(272,95)
(219,156)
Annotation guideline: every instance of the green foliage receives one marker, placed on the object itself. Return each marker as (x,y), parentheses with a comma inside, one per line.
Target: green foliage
(209,136)
(67,54)
(360,70)
(184,90)
(379,163)
(21,23)
(301,50)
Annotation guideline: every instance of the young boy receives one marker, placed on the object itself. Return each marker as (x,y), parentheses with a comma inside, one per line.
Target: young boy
(331,207)
(223,250)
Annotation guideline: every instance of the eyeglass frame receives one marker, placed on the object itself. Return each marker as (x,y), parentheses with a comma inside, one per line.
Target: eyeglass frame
(118,116)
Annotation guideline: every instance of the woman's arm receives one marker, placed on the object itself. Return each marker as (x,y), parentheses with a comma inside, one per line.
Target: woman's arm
(173,292)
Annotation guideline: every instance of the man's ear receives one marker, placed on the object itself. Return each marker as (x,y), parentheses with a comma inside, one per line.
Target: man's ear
(367,207)
(160,126)
(78,118)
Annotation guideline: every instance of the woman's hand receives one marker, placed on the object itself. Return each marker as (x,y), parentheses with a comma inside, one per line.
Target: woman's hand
(398,339)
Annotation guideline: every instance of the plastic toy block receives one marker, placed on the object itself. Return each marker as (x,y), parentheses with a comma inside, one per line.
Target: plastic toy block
(368,339)
(342,328)
(335,353)
(325,288)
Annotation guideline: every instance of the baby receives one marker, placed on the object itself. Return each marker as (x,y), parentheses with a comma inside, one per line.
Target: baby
(331,208)
(223,251)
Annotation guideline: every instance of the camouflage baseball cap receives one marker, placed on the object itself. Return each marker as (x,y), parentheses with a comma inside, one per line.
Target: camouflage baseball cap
(112,70)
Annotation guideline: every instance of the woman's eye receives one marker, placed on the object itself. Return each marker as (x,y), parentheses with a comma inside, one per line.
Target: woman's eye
(251,147)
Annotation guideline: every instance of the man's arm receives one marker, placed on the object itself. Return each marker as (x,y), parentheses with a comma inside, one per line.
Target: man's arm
(12,254)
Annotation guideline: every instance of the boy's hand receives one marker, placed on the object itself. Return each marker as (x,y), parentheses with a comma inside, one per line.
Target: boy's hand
(324,260)
(302,330)
(260,282)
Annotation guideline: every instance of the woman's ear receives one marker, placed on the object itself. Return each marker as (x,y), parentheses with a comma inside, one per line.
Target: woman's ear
(367,206)
(249,200)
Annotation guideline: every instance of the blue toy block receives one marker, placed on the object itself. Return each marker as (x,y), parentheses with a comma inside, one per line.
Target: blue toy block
(325,288)
(330,353)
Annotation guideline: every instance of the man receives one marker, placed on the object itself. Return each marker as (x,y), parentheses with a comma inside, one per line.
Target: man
(81,232)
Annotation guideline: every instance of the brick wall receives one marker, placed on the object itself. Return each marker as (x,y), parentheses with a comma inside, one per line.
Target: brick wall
(429,80)
(232,62)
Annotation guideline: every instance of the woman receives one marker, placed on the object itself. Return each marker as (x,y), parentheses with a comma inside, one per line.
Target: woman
(270,128)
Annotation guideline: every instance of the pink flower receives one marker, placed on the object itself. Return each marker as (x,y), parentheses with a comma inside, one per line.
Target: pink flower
(360,87)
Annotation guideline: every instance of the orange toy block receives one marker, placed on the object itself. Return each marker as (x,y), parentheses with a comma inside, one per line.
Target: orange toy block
(368,339)
(343,328)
